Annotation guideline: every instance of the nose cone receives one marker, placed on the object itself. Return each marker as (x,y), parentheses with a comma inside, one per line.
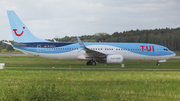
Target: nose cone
(172,54)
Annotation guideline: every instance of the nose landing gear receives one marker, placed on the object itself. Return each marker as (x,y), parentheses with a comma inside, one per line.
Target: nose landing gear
(157,63)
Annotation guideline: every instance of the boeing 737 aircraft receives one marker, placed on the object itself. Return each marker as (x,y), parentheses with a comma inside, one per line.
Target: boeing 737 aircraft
(108,53)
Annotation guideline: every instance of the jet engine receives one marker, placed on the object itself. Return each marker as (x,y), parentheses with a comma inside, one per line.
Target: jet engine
(114,59)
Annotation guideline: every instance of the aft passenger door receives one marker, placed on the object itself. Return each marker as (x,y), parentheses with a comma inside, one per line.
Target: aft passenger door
(38,48)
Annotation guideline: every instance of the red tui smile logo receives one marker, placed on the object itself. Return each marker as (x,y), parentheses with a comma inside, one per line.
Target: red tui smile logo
(17,33)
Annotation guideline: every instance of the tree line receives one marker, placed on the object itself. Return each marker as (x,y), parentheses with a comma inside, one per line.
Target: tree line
(169,37)
(5,47)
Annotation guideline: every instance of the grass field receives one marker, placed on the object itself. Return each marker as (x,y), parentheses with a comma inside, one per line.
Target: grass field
(87,85)
(12,52)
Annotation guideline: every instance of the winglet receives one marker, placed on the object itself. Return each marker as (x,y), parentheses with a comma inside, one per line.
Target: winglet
(82,46)
(80,43)
(54,40)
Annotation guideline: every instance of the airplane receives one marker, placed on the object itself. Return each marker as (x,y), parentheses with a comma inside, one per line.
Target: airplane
(92,52)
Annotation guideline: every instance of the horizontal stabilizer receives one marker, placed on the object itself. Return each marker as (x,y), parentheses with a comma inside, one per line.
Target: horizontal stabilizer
(7,43)
(17,44)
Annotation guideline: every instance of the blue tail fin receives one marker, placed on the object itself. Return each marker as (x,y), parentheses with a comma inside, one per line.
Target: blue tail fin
(20,32)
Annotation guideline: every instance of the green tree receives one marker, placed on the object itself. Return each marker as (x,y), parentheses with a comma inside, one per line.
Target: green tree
(9,48)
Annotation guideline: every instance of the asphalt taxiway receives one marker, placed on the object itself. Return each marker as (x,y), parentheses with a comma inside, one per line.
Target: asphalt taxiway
(93,68)
(177,57)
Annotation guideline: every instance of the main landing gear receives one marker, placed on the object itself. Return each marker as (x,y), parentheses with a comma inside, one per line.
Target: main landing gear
(91,63)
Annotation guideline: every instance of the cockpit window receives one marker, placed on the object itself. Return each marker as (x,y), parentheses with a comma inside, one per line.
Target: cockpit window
(165,49)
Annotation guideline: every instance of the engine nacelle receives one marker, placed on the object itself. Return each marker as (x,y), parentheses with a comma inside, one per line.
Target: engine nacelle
(114,59)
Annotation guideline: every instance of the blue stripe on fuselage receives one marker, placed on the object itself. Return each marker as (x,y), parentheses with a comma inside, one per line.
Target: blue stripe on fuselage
(49,47)
(46,44)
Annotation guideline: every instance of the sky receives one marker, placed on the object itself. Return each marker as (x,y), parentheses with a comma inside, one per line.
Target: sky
(48,19)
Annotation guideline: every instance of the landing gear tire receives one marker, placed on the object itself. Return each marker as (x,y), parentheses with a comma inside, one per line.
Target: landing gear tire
(91,63)
(158,63)
(88,63)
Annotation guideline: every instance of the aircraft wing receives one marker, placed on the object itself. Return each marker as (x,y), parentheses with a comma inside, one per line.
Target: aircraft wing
(90,52)
(94,53)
